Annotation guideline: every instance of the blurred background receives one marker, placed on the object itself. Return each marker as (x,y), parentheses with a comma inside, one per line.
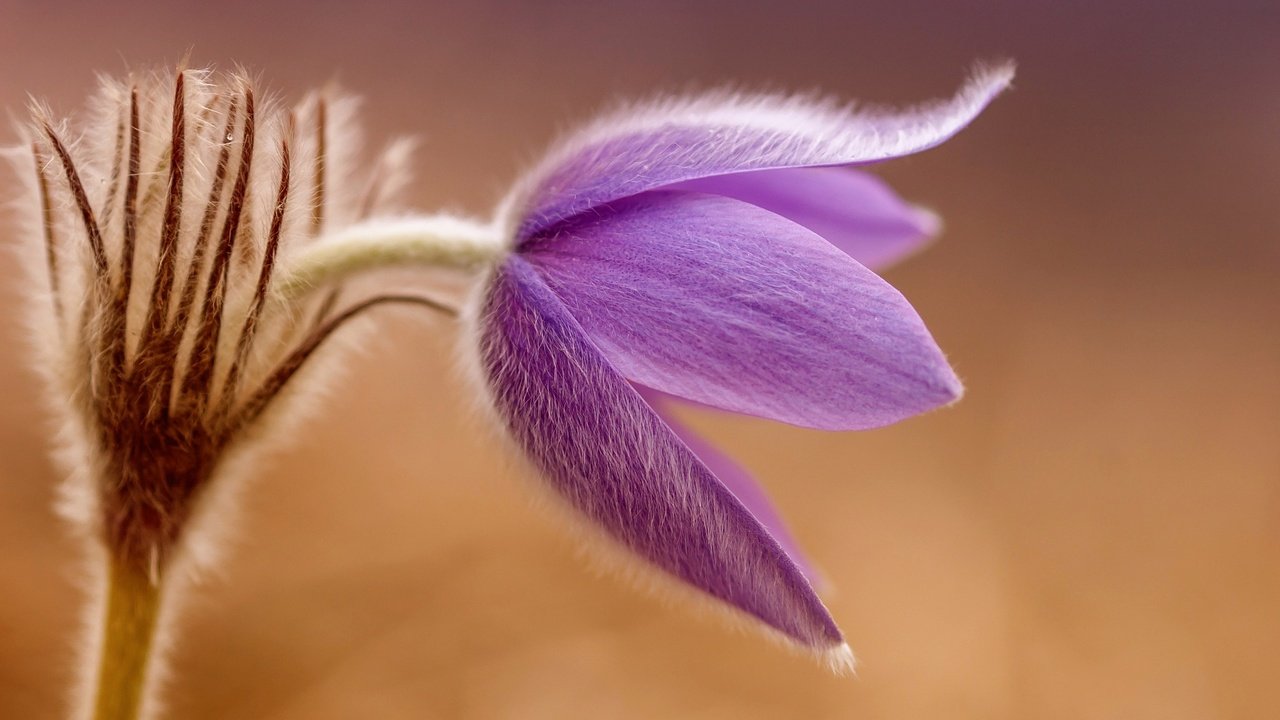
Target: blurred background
(1092,533)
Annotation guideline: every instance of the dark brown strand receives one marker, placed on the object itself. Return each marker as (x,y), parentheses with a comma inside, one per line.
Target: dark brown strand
(326,306)
(131,198)
(166,263)
(249,330)
(46,218)
(195,386)
(212,205)
(280,376)
(187,300)
(82,200)
(115,330)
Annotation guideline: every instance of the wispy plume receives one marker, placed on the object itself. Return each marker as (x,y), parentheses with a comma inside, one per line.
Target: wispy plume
(155,230)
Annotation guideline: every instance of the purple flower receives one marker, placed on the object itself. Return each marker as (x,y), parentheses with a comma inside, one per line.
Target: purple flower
(714,250)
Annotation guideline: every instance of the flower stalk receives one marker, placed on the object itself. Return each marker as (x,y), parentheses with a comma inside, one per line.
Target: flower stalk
(128,639)
(421,241)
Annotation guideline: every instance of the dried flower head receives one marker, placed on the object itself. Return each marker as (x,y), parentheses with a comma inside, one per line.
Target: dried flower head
(156,228)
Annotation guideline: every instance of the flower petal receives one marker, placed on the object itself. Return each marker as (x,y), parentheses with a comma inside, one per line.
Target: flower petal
(855,211)
(677,140)
(723,303)
(733,476)
(611,457)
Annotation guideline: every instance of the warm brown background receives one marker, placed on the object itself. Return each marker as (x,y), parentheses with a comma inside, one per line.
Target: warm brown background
(1092,533)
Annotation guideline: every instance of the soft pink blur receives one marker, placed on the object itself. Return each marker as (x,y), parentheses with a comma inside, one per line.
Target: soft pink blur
(1091,533)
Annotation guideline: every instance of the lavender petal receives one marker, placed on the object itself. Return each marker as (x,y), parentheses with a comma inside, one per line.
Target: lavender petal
(603,450)
(678,140)
(853,210)
(723,303)
(733,476)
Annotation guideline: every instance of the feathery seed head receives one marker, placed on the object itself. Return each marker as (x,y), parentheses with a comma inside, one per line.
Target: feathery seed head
(163,219)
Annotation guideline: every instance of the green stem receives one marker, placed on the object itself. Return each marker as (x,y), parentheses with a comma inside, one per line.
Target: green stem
(423,241)
(133,603)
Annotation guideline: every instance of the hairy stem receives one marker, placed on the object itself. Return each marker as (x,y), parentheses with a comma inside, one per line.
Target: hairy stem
(128,633)
(440,241)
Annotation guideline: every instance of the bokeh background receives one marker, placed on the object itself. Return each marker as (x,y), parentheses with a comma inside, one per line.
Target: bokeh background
(1092,533)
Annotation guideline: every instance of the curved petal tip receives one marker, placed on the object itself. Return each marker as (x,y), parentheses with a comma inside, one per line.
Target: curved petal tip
(995,73)
(679,139)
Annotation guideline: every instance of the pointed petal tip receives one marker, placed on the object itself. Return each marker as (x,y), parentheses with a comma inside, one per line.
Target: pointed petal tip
(927,222)
(954,387)
(941,385)
(938,387)
(944,389)
(840,660)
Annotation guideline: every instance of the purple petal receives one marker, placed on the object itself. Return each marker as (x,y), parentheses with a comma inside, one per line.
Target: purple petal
(733,476)
(855,211)
(720,302)
(678,140)
(603,449)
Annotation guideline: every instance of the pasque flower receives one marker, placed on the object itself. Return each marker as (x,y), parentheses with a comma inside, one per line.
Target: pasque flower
(155,231)
(714,250)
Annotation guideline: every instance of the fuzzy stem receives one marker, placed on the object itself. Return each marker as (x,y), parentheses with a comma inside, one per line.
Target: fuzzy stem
(128,633)
(432,241)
